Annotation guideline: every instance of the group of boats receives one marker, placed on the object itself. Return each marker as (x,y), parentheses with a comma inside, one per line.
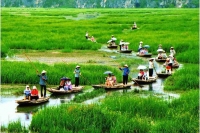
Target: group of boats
(102,86)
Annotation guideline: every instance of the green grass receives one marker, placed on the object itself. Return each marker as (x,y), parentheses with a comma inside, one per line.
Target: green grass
(122,113)
(169,27)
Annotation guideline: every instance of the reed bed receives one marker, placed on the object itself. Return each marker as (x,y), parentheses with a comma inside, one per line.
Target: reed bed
(25,73)
(122,113)
(50,29)
(184,79)
(14,127)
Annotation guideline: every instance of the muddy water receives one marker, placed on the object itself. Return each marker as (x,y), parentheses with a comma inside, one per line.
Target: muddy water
(10,111)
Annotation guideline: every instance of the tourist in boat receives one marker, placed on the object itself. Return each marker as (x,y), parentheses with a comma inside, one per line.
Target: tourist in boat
(126,72)
(34,93)
(114,79)
(62,83)
(113,39)
(27,93)
(171,61)
(159,55)
(145,76)
(42,82)
(120,44)
(146,51)
(151,66)
(172,51)
(123,47)
(77,73)
(140,46)
(164,55)
(142,51)
(109,80)
(134,26)
(87,35)
(140,74)
(68,85)
(92,39)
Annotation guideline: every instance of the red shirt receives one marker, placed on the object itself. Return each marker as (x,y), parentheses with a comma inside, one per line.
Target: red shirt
(34,92)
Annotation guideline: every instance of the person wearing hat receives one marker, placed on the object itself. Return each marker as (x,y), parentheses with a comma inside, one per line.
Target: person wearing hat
(77,73)
(27,92)
(126,72)
(42,82)
(140,46)
(134,26)
(113,40)
(68,85)
(34,93)
(172,51)
(62,82)
(151,66)
(120,44)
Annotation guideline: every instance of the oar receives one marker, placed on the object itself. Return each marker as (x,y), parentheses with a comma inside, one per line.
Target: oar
(31,63)
(137,83)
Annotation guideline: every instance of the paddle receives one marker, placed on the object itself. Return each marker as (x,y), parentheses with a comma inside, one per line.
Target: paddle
(137,83)
(31,63)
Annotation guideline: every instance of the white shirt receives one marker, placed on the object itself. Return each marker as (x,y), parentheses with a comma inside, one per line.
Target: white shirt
(150,64)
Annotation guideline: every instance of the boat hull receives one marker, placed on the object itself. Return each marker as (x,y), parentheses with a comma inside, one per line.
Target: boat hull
(125,51)
(59,92)
(115,87)
(32,102)
(140,81)
(144,55)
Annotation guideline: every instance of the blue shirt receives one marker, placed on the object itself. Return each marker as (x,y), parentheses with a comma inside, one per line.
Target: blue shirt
(43,79)
(125,71)
(77,72)
(27,92)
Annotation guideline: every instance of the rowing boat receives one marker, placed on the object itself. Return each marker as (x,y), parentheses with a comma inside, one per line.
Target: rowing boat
(115,87)
(74,90)
(163,74)
(142,81)
(112,46)
(26,102)
(125,51)
(160,60)
(144,55)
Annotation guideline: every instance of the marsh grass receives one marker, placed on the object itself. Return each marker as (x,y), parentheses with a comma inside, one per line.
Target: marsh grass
(49,29)
(122,113)
(16,127)
(184,79)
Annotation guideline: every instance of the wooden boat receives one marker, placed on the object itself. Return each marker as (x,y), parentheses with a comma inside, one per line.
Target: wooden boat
(163,74)
(142,81)
(115,87)
(112,46)
(144,55)
(74,90)
(125,51)
(160,60)
(175,65)
(27,102)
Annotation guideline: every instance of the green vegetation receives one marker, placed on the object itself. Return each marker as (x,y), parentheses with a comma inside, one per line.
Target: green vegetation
(122,113)
(169,27)
(14,127)
(184,79)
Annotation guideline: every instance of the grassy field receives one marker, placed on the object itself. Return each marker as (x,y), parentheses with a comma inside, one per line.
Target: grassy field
(50,29)
(47,32)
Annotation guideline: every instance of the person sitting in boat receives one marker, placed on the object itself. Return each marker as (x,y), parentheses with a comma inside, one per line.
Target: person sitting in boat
(164,55)
(68,85)
(92,39)
(142,51)
(27,92)
(34,93)
(140,46)
(114,79)
(140,74)
(145,51)
(120,44)
(62,82)
(134,26)
(123,47)
(109,80)
(160,55)
(87,35)
(145,76)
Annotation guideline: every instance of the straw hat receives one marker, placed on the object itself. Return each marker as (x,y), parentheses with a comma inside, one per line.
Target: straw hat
(77,66)
(167,59)
(141,42)
(172,47)
(126,65)
(34,87)
(43,71)
(27,86)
